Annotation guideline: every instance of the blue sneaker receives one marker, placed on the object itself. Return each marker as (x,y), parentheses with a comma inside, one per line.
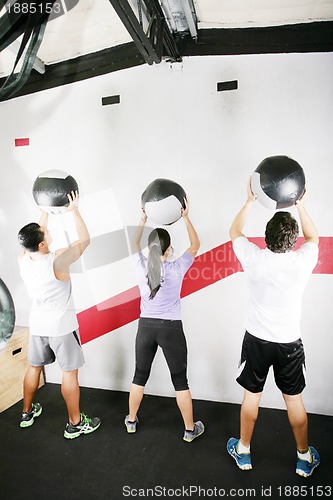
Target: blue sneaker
(243,460)
(305,468)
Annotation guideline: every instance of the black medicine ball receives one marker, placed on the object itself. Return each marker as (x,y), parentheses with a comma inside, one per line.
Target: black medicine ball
(50,190)
(278,182)
(162,201)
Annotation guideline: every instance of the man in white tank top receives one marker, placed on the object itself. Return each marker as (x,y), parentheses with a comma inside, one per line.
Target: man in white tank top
(53,324)
(276,278)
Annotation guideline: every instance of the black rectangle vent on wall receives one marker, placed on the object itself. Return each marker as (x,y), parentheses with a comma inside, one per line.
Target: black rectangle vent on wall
(232,85)
(112,99)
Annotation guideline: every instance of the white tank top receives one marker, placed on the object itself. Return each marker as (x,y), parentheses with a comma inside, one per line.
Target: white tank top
(52,312)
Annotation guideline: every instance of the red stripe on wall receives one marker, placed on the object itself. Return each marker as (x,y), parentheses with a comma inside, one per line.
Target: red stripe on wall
(109,315)
(325,259)
(24,141)
(208,268)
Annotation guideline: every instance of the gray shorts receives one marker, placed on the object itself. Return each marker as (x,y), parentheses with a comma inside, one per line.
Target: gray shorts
(66,349)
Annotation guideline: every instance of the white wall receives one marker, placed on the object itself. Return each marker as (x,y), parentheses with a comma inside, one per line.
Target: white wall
(172,123)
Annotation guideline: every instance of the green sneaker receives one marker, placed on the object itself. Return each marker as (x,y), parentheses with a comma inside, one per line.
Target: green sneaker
(85,426)
(28,417)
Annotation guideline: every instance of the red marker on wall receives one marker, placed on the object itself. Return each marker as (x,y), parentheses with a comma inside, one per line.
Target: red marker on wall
(23,141)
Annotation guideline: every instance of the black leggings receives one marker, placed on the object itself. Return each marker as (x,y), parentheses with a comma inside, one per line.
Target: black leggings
(169,335)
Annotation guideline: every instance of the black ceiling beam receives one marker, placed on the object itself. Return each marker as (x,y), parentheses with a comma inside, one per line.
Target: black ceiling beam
(134,28)
(81,68)
(297,38)
(158,37)
(169,42)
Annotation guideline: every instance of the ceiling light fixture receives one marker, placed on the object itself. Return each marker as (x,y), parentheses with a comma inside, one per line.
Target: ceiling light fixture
(180,15)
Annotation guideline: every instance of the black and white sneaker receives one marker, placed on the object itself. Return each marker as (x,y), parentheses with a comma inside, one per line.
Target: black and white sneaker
(85,426)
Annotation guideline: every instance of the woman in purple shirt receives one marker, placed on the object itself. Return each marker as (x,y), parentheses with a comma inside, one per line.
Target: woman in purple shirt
(160,322)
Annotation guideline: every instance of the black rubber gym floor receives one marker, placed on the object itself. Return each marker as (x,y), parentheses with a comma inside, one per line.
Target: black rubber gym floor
(39,463)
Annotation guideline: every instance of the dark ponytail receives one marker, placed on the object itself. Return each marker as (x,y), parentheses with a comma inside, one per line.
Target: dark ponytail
(158,242)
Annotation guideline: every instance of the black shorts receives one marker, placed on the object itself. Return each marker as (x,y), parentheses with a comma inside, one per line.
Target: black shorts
(288,361)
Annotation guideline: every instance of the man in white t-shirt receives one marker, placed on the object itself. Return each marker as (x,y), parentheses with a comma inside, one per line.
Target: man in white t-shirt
(52,322)
(276,277)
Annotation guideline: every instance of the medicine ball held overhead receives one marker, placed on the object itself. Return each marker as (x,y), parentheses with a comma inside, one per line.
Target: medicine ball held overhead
(278,182)
(50,190)
(162,201)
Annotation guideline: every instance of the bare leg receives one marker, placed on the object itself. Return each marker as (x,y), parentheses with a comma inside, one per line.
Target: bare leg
(135,398)
(249,414)
(184,402)
(70,391)
(30,386)
(298,420)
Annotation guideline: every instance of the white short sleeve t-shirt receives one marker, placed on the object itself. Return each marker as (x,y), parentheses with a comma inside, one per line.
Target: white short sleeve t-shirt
(276,282)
